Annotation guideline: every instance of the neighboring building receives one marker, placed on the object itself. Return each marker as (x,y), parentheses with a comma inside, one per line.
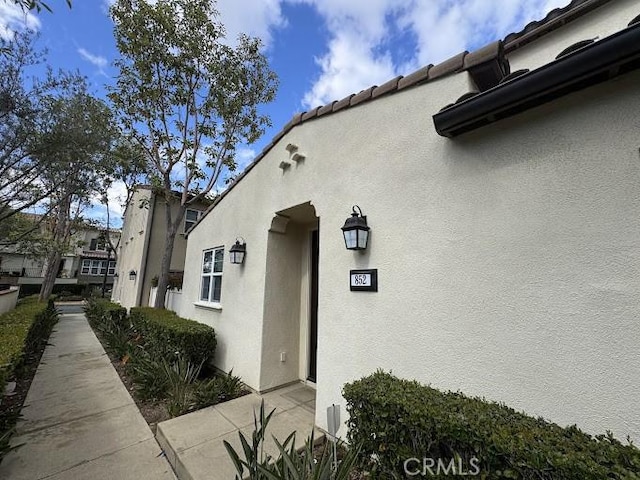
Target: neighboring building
(85,263)
(508,257)
(142,245)
(95,262)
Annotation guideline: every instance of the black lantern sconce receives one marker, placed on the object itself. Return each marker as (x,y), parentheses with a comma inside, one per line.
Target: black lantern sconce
(356,231)
(238,251)
(132,275)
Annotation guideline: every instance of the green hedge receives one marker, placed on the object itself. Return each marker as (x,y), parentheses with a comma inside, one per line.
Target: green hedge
(76,289)
(21,332)
(395,420)
(168,336)
(98,310)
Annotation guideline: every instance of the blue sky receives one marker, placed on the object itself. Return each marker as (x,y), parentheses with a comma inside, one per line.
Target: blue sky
(322,50)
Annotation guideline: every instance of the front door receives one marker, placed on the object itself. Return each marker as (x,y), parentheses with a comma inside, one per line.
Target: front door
(313,313)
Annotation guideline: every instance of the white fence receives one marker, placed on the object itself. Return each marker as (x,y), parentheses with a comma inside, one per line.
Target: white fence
(8,299)
(172,300)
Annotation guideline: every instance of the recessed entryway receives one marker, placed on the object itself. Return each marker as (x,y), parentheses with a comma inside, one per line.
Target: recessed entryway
(289,336)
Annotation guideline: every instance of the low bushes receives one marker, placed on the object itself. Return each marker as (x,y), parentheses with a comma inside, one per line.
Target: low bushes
(77,290)
(396,420)
(21,331)
(168,336)
(164,355)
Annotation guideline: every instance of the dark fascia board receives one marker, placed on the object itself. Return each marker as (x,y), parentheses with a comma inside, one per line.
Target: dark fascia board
(598,62)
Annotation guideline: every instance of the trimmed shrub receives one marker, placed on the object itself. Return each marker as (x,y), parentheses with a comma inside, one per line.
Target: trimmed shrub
(395,420)
(168,336)
(21,332)
(78,289)
(110,320)
(101,312)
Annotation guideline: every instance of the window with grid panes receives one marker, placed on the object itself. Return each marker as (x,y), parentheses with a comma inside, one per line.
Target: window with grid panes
(211,279)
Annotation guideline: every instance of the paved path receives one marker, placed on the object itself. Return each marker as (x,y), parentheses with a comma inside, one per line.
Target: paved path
(194,442)
(79,421)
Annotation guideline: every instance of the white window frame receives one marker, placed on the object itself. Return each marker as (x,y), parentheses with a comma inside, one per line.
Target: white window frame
(101,246)
(190,223)
(210,301)
(97,267)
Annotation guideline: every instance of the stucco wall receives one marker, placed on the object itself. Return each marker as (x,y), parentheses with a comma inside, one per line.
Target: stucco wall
(131,253)
(281,318)
(508,258)
(15,262)
(156,245)
(8,299)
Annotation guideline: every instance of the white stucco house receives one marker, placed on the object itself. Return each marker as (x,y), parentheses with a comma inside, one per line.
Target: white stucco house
(504,231)
(142,245)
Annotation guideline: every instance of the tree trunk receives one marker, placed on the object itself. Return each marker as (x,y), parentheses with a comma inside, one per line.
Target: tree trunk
(165,267)
(53,264)
(60,236)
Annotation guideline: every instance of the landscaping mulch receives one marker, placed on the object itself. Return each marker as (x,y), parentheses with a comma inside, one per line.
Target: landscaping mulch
(153,412)
(319,447)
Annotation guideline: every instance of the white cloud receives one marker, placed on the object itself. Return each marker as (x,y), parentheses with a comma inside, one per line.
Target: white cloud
(13,19)
(117,196)
(244,156)
(257,18)
(96,60)
(360,52)
(349,66)
(98,211)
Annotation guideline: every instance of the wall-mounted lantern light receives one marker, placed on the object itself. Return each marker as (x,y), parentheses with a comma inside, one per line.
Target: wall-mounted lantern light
(132,275)
(237,251)
(356,231)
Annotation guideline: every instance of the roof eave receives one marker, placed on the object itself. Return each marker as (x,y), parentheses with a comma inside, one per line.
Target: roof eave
(596,63)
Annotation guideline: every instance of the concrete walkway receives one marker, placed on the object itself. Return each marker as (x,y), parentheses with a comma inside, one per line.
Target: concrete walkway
(79,422)
(193,442)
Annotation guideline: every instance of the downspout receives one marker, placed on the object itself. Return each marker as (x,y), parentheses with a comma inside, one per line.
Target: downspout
(145,257)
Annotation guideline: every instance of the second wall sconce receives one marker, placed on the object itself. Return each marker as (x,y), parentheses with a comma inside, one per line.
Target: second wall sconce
(238,251)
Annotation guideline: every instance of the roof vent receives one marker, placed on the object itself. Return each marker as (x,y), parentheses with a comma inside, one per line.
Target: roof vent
(574,47)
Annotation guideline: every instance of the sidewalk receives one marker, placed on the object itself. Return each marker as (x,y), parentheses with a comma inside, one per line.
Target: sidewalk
(194,442)
(79,422)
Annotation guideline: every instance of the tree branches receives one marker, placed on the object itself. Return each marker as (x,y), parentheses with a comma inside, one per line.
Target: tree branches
(186,96)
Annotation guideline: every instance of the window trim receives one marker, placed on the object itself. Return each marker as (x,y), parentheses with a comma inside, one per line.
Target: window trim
(190,222)
(209,303)
(89,265)
(99,246)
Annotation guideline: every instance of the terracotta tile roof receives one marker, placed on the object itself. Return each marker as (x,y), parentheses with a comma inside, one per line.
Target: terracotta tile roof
(554,19)
(458,63)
